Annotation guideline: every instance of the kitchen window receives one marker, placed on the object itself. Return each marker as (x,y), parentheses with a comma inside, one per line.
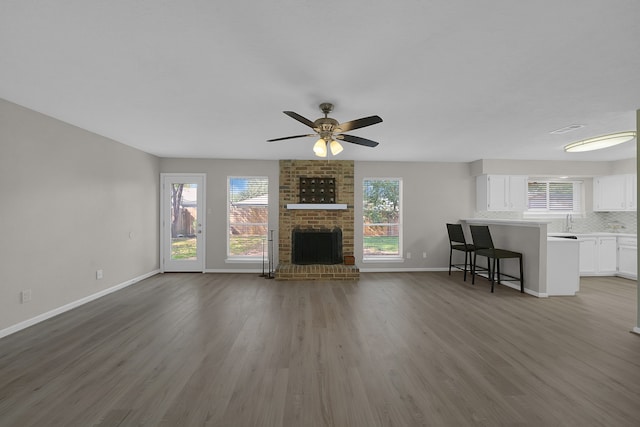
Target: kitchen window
(549,197)
(382,219)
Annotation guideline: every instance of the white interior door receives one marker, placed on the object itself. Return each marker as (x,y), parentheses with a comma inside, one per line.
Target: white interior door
(182,209)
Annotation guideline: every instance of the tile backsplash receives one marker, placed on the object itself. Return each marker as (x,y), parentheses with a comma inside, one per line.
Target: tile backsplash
(622,222)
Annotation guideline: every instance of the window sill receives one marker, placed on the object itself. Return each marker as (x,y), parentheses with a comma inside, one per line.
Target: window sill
(379,259)
(552,215)
(244,260)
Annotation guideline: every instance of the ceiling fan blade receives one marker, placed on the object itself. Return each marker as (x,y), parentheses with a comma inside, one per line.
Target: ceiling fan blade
(290,137)
(360,123)
(357,140)
(299,118)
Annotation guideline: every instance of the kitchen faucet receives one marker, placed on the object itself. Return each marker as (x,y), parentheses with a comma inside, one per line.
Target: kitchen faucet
(568,223)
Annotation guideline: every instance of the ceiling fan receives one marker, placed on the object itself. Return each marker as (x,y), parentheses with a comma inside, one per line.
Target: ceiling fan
(330,131)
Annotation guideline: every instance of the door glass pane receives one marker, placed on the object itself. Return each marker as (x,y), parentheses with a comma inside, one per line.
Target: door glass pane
(184,221)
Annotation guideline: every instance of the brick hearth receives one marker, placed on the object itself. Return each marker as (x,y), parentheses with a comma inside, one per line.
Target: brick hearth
(317,272)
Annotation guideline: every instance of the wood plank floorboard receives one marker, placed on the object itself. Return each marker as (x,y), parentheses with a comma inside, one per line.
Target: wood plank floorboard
(408,349)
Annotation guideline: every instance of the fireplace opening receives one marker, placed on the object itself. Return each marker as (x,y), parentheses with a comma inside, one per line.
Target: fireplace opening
(316,246)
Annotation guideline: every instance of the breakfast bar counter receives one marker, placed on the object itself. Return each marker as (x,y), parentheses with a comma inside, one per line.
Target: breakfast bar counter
(526,237)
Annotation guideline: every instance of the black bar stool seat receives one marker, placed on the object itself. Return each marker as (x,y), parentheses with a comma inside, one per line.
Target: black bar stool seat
(457,242)
(484,247)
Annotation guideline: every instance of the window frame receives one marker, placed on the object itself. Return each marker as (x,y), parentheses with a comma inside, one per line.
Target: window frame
(399,257)
(577,193)
(244,258)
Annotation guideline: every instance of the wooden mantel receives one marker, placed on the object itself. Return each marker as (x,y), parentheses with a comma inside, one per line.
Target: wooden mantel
(318,206)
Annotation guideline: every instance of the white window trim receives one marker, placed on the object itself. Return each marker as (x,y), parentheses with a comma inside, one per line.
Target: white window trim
(546,214)
(240,259)
(386,258)
(381,258)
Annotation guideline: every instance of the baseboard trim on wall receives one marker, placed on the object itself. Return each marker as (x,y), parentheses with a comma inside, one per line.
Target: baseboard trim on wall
(400,270)
(636,330)
(49,314)
(234,270)
(526,290)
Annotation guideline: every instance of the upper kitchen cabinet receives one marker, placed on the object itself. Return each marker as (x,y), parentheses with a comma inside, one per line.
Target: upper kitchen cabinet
(614,193)
(501,193)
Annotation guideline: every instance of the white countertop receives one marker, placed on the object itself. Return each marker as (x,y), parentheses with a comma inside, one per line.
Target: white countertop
(588,234)
(560,239)
(516,222)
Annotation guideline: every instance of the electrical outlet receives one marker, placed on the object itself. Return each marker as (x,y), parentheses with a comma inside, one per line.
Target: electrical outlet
(424,254)
(408,255)
(25,296)
(99,274)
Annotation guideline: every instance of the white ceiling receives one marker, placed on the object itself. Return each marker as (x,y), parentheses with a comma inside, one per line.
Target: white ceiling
(454,80)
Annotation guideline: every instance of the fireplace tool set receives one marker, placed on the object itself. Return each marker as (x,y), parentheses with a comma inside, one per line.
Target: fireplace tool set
(271,273)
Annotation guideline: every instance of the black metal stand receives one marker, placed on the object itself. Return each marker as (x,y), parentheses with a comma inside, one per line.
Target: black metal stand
(263,275)
(271,275)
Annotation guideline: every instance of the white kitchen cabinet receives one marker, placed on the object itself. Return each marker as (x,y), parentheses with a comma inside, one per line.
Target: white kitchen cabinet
(598,256)
(628,257)
(607,255)
(631,194)
(563,262)
(588,256)
(614,193)
(501,193)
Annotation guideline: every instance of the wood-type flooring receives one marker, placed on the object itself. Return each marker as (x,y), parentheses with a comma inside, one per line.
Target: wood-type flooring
(406,349)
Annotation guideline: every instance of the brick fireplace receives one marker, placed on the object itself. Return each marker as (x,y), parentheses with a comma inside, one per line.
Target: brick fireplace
(315,219)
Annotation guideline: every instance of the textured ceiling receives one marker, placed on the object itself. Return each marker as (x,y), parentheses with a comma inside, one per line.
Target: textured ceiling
(453,80)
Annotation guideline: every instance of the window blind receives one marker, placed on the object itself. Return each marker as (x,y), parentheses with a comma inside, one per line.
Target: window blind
(554,196)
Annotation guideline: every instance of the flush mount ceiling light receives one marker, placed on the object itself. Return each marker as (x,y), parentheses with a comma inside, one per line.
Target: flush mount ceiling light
(600,142)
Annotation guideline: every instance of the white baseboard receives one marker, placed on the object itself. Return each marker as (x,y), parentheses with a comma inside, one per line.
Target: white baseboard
(399,270)
(636,330)
(234,270)
(49,314)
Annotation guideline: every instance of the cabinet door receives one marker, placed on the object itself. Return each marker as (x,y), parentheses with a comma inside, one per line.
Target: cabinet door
(609,193)
(588,256)
(628,261)
(518,200)
(607,255)
(498,192)
(630,192)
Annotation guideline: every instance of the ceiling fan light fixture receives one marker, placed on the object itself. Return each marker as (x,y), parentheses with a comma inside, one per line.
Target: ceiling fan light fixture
(600,142)
(336,147)
(329,130)
(320,148)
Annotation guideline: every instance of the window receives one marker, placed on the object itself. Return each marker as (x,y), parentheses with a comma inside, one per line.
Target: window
(247,216)
(382,218)
(549,197)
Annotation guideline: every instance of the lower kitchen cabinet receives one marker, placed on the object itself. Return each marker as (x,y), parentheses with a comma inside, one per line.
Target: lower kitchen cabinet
(607,255)
(628,257)
(588,256)
(598,256)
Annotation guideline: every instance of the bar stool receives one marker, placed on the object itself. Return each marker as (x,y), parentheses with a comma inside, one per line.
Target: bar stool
(457,242)
(484,247)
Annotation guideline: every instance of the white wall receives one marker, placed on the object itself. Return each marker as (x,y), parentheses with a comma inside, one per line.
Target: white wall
(547,167)
(433,194)
(637,327)
(217,171)
(69,200)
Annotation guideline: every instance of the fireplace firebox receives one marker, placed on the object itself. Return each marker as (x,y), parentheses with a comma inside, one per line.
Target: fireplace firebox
(316,246)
